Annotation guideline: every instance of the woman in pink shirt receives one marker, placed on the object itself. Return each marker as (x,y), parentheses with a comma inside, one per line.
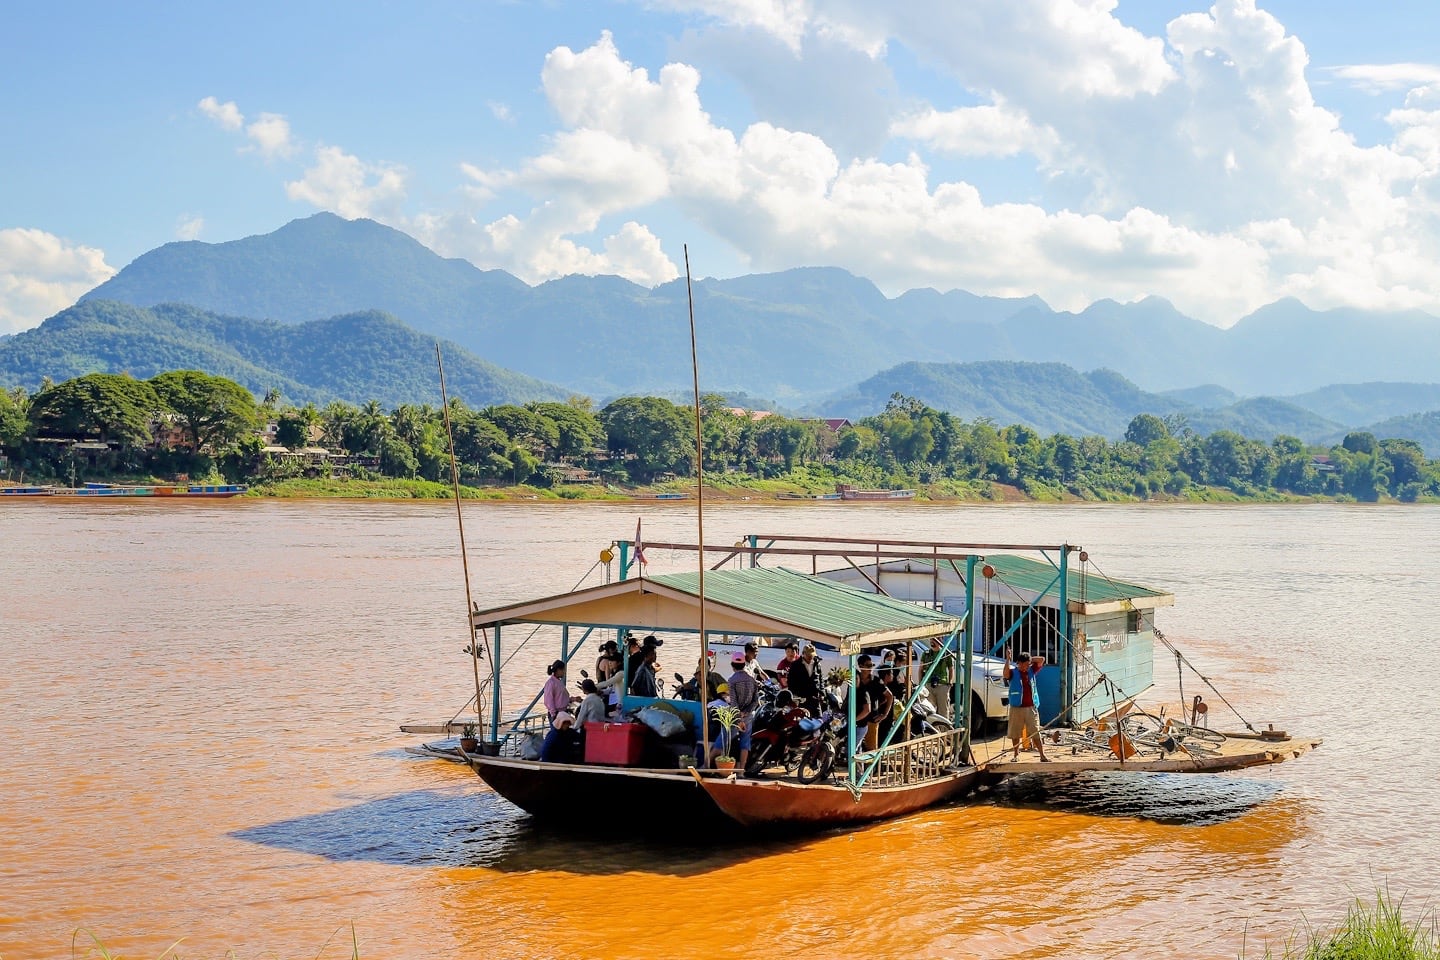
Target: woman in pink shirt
(557,698)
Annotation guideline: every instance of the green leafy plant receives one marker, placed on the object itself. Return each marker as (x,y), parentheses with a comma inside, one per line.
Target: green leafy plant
(729,719)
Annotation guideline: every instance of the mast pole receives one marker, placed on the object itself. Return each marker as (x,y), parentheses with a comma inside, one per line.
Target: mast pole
(464,557)
(699,514)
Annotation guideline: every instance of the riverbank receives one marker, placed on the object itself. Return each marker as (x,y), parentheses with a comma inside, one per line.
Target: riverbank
(750,490)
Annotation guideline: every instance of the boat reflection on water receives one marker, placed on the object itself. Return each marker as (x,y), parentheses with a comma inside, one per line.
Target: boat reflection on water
(1167,798)
(461,828)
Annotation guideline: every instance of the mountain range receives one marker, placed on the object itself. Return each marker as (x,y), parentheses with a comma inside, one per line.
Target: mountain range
(792,335)
(331,308)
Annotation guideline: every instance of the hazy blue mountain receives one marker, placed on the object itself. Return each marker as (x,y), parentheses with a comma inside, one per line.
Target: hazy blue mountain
(1051,397)
(354,357)
(1263,418)
(314,268)
(1369,402)
(1287,348)
(796,336)
(1423,428)
(1205,396)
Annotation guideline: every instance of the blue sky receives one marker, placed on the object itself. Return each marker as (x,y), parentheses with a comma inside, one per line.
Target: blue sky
(1221,156)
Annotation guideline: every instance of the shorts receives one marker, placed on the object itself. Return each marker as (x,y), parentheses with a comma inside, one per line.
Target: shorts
(1024,720)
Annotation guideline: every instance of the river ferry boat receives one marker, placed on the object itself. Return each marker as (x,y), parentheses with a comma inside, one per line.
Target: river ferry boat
(903,594)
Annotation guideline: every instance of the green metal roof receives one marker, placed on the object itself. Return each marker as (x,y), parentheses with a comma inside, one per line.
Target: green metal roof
(1038,576)
(810,603)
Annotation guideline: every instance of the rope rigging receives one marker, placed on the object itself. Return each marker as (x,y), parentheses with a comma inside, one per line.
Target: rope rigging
(1181,660)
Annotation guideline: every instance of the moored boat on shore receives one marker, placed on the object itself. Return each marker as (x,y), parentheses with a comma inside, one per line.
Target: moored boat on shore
(203,491)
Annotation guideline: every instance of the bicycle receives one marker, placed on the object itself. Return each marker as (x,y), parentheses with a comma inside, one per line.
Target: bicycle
(1170,736)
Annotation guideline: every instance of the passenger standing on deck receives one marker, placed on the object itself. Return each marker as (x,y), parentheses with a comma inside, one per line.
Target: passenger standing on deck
(792,656)
(752,665)
(744,696)
(555,694)
(1024,709)
(942,681)
(804,677)
(865,706)
(609,661)
(643,683)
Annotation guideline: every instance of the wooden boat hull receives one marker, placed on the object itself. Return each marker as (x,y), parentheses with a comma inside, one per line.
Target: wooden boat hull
(584,796)
(772,803)
(109,492)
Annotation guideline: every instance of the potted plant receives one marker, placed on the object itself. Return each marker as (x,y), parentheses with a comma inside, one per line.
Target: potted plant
(729,719)
(468,742)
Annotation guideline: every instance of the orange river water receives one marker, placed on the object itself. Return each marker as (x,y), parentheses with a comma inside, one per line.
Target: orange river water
(198,742)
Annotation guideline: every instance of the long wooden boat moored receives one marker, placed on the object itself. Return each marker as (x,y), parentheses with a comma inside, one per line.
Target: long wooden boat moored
(202,491)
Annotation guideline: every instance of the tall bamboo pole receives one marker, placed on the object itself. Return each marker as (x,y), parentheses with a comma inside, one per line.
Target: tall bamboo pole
(699,514)
(464,558)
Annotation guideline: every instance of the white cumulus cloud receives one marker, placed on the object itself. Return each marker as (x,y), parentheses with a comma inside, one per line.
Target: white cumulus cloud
(41,274)
(344,184)
(270,133)
(1382,77)
(227,114)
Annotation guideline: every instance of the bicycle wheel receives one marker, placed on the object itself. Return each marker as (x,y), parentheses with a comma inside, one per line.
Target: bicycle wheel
(1192,733)
(1138,725)
(817,762)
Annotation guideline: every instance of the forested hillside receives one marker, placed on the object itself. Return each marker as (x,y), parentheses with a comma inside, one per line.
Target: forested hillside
(357,357)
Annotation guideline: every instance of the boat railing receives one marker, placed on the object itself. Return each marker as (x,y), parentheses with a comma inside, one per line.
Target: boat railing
(514,731)
(930,757)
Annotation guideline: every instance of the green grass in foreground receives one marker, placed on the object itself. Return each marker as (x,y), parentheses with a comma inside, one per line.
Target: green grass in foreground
(1369,932)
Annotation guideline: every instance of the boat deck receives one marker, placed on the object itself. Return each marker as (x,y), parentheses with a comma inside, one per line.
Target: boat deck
(1237,752)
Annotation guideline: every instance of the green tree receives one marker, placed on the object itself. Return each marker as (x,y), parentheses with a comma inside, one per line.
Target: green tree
(1145,429)
(526,428)
(213,411)
(292,429)
(579,430)
(1360,442)
(653,432)
(110,407)
(13,422)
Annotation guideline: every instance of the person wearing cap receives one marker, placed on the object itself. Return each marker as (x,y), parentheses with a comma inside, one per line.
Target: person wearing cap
(1024,704)
(642,680)
(745,697)
(804,680)
(555,694)
(560,740)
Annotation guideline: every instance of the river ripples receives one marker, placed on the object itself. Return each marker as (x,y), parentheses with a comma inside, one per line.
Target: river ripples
(201,703)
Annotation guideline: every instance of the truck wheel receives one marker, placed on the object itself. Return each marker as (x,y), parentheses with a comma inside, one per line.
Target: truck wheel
(977,715)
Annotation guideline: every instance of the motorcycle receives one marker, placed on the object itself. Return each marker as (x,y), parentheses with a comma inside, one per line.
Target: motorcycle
(776,735)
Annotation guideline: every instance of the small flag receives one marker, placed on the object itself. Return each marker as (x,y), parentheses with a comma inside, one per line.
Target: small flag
(639,547)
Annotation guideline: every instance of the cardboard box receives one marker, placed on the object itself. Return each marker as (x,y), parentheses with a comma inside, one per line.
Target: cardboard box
(614,744)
